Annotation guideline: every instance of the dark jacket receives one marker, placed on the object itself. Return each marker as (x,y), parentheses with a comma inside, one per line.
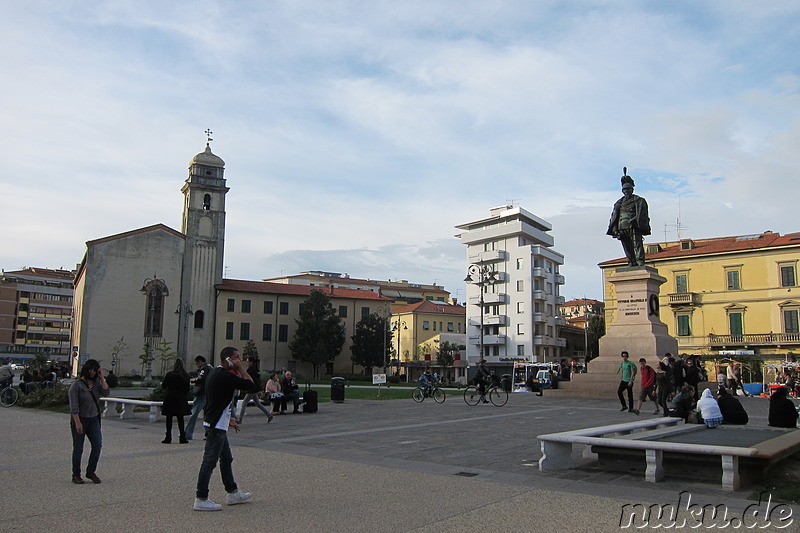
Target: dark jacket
(641,217)
(176,387)
(220,384)
(782,413)
(200,380)
(732,410)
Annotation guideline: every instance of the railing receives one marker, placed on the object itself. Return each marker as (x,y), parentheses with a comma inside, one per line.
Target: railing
(684,298)
(754,339)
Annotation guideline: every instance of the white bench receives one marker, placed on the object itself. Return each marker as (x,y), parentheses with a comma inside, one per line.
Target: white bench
(128,404)
(557,448)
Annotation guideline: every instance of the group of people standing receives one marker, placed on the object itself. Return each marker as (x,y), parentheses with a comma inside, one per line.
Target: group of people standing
(216,391)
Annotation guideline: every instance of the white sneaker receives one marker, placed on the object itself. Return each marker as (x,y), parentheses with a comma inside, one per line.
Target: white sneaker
(234,498)
(205,505)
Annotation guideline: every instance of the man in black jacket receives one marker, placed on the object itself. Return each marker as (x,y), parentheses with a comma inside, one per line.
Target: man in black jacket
(199,383)
(221,383)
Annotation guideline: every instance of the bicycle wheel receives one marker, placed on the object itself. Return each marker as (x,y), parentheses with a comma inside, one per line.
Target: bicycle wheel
(418,395)
(472,395)
(498,396)
(9,396)
(438,395)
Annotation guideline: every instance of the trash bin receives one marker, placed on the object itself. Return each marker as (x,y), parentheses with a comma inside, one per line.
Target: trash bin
(337,390)
(506,382)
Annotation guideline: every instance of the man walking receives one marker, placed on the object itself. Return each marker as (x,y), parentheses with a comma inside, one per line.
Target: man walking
(199,382)
(628,370)
(648,385)
(220,386)
(252,369)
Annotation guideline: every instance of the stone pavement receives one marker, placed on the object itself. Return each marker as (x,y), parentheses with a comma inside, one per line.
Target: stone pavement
(356,466)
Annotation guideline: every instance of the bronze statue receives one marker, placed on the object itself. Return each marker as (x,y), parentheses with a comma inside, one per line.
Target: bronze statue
(630,221)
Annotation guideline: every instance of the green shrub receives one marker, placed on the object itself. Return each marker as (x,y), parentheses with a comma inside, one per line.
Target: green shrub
(50,397)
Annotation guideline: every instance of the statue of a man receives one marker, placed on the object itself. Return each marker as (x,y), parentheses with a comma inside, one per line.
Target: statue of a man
(630,221)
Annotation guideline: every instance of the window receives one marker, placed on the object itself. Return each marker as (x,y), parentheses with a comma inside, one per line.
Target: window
(520,350)
(244,331)
(735,322)
(343,311)
(450,326)
(266,332)
(549,289)
(267,308)
(788,278)
(301,308)
(520,307)
(681,283)
(790,324)
(459,327)
(434,325)
(684,325)
(520,263)
(520,285)
(489,246)
(245,306)
(520,329)
(537,307)
(199,317)
(155,291)
(231,305)
(364,312)
(283,333)
(229,331)
(206,202)
(732,277)
(426,325)
(283,308)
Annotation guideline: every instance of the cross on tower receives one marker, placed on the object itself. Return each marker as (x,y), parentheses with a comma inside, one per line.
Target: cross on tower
(208,133)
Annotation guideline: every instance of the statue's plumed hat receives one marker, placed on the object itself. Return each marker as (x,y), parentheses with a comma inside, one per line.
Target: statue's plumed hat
(625,178)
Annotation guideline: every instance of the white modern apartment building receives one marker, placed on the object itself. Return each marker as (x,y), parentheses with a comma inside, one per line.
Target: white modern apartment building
(511,261)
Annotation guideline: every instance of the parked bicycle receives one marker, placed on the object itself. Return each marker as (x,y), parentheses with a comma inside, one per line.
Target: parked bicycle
(494,391)
(9,396)
(420,393)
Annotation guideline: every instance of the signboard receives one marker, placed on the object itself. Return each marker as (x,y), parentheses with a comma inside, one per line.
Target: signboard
(378,379)
(737,352)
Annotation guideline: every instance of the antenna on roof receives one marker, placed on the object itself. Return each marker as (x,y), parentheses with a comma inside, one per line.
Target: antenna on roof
(679,227)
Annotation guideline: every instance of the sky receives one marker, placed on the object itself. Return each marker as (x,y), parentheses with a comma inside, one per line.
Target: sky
(358,134)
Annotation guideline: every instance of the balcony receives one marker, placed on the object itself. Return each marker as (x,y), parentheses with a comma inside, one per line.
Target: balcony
(684,298)
(488,340)
(492,256)
(491,298)
(539,317)
(759,339)
(539,295)
(559,279)
(538,272)
(495,320)
(560,300)
(561,321)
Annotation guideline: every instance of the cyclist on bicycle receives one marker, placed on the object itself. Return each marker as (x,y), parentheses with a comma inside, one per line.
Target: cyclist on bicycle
(426,381)
(481,377)
(6,375)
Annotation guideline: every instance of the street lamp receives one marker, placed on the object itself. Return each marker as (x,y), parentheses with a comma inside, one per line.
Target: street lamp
(384,313)
(397,326)
(485,276)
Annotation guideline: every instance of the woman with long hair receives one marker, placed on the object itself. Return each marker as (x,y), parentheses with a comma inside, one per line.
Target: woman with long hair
(84,409)
(176,387)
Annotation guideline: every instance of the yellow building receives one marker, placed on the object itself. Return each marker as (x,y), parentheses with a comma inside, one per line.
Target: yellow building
(418,331)
(725,294)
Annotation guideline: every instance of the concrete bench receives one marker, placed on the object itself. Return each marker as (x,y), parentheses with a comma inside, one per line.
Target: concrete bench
(557,447)
(128,405)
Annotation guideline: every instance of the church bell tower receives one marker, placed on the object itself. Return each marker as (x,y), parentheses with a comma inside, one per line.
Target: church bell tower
(204,228)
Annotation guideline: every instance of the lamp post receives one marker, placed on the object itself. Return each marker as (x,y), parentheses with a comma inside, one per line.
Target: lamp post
(397,327)
(485,276)
(384,313)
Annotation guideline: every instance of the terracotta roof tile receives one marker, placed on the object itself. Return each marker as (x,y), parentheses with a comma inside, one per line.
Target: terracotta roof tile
(265,287)
(717,245)
(431,307)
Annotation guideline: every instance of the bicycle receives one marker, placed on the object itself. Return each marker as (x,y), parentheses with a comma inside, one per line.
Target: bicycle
(9,396)
(419,394)
(496,393)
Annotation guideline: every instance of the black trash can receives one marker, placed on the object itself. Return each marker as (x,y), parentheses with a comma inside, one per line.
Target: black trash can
(506,382)
(337,390)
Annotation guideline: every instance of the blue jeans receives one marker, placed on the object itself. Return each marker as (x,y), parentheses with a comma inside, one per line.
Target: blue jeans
(197,406)
(217,449)
(91,429)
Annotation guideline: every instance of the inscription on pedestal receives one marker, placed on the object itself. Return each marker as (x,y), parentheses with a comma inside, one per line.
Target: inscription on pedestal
(631,306)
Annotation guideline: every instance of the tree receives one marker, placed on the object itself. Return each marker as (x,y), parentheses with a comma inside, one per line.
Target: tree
(146,356)
(596,329)
(250,352)
(370,341)
(165,354)
(320,335)
(445,357)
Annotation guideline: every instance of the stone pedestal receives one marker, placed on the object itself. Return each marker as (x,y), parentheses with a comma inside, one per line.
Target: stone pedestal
(636,328)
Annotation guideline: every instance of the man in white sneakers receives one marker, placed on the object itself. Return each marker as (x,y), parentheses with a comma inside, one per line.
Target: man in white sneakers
(221,383)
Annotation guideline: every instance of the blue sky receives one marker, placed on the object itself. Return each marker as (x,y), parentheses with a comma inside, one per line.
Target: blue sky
(358,134)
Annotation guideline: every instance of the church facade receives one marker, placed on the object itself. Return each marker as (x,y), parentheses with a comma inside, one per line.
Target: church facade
(155,286)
